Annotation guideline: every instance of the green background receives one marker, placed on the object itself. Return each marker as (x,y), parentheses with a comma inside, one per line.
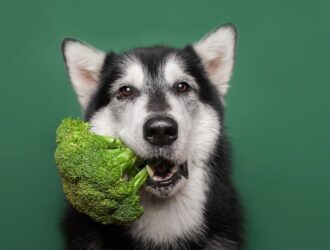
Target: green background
(278,107)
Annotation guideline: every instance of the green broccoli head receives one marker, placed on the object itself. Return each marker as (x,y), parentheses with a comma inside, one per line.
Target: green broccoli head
(100,175)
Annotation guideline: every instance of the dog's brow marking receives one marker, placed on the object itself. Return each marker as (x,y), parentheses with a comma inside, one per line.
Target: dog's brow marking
(173,70)
(134,75)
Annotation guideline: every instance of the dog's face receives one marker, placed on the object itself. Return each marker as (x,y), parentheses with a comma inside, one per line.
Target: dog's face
(157,100)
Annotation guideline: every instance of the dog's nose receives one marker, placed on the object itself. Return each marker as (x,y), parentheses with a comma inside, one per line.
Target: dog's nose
(160,131)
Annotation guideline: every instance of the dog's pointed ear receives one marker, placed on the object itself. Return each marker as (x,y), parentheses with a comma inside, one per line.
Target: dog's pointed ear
(84,64)
(217,52)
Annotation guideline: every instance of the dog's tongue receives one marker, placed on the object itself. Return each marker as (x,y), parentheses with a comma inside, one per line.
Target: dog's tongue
(161,168)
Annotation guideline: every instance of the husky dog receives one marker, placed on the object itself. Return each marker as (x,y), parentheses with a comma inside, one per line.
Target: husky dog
(164,103)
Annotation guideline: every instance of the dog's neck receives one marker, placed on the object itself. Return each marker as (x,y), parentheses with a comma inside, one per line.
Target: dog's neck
(179,216)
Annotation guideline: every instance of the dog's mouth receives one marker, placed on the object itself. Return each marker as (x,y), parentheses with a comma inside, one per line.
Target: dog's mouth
(165,177)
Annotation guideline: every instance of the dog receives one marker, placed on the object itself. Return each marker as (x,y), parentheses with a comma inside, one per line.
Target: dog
(167,104)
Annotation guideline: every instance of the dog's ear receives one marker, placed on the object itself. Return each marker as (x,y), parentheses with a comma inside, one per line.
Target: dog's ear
(217,52)
(84,64)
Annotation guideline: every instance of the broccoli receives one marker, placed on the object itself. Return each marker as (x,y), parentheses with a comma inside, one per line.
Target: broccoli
(100,175)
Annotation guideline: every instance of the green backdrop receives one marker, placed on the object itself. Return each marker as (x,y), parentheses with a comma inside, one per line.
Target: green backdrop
(278,107)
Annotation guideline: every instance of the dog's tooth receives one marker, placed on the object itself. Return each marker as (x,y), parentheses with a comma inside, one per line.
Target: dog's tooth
(150,171)
(175,168)
(156,178)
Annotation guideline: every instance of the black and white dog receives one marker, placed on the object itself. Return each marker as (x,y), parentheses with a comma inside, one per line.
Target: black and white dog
(164,103)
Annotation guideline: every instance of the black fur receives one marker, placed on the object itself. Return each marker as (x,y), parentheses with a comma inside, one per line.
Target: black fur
(222,213)
(157,102)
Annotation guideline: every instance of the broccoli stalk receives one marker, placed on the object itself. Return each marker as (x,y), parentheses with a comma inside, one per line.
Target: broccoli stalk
(100,175)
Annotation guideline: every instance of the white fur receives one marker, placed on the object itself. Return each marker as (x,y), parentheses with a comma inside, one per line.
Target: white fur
(84,64)
(217,51)
(131,126)
(135,75)
(128,128)
(102,123)
(204,133)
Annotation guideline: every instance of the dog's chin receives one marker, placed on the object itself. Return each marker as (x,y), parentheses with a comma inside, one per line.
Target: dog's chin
(166,178)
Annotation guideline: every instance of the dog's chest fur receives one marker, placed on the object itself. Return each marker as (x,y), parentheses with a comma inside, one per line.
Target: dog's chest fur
(180,216)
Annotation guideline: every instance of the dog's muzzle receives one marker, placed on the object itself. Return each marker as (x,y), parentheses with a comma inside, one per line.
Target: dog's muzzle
(165,176)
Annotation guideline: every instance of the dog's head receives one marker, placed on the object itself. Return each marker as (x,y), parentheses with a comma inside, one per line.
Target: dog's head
(164,103)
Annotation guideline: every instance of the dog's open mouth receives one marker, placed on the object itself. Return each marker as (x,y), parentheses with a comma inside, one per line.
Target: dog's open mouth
(165,176)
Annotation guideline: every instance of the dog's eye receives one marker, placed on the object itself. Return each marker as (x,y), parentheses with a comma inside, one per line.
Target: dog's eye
(126,91)
(182,87)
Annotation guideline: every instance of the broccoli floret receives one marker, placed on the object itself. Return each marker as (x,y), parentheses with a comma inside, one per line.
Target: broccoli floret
(100,175)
